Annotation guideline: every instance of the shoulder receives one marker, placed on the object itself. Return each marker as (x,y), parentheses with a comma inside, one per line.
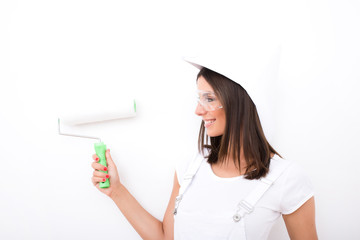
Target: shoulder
(294,184)
(183,163)
(293,171)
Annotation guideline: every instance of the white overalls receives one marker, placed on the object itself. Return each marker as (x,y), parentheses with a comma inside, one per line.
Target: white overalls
(245,206)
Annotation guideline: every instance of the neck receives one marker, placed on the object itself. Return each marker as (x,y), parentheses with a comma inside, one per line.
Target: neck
(230,168)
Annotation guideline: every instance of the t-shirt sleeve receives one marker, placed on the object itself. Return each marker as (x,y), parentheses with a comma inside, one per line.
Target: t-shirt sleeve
(297,189)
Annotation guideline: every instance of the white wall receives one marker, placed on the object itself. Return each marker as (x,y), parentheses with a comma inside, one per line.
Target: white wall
(55,53)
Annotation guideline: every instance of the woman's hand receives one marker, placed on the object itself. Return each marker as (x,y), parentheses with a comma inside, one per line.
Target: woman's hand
(101,177)
(143,222)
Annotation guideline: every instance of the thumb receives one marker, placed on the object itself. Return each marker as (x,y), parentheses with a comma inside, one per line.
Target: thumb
(108,158)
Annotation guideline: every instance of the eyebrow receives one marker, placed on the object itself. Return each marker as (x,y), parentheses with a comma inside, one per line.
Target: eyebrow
(209,94)
(206,92)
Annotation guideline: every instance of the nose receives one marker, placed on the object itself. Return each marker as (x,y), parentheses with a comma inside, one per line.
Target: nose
(199,110)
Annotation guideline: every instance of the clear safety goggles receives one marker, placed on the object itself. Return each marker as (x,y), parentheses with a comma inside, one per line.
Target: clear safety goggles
(208,100)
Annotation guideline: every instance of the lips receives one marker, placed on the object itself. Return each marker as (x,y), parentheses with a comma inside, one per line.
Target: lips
(209,122)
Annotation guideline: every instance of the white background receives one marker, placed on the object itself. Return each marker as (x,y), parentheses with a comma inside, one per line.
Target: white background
(57,55)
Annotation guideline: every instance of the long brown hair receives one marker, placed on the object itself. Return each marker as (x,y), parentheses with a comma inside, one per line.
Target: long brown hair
(243,129)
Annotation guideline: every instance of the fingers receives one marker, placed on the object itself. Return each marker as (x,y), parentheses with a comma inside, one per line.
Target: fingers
(99,177)
(101,174)
(95,157)
(98,166)
(107,155)
(98,174)
(96,180)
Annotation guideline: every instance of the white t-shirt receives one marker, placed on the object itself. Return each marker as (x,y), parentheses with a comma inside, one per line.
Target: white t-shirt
(209,203)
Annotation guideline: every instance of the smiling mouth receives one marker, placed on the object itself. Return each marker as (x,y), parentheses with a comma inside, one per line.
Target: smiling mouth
(208,123)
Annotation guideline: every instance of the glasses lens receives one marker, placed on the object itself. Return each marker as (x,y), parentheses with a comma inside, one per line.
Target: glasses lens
(208,100)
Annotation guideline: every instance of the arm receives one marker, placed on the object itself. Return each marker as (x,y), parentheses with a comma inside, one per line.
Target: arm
(147,226)
(301,223)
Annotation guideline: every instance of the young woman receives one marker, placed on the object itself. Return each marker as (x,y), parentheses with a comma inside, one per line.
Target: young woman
(236,187)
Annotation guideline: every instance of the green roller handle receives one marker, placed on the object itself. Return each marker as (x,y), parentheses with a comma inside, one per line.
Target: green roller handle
(100,149)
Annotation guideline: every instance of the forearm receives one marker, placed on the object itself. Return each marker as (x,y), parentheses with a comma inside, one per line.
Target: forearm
(147,226)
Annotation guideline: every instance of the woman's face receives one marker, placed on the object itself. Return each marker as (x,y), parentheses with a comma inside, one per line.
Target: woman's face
(210,109)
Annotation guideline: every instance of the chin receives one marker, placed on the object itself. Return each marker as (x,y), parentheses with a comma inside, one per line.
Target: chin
(213,134)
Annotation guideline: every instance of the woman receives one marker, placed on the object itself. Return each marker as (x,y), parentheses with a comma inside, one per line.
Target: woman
(236,187)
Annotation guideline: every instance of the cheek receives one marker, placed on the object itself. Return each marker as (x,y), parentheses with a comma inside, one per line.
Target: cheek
(223,122)
(221,118)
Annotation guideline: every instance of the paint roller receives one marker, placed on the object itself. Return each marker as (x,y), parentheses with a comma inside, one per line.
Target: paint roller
(126,108)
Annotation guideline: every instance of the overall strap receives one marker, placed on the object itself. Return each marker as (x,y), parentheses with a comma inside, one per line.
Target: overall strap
(247,205)
(187,179)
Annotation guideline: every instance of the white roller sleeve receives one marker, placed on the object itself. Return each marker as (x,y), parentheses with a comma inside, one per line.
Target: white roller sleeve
(98,112)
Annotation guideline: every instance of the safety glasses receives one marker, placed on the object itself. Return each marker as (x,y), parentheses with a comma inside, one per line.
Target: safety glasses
(208,100)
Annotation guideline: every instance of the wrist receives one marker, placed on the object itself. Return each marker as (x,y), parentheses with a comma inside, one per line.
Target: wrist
(117,192)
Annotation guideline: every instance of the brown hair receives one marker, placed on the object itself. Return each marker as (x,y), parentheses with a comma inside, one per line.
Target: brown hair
(243,129)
